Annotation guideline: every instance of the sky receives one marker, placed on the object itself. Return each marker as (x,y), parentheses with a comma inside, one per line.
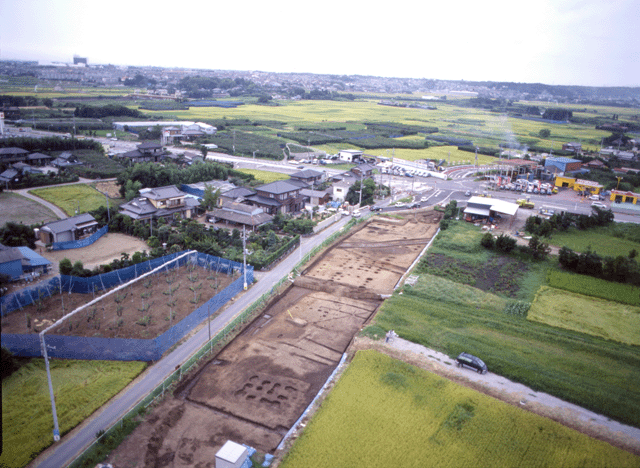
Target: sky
(557,42)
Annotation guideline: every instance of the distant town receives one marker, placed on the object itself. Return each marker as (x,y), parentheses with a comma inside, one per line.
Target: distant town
(163,81)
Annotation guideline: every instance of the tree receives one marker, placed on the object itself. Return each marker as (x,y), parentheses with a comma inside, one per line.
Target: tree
(505,244)
(544,133)
(538,250)
(210,198)
(65,266)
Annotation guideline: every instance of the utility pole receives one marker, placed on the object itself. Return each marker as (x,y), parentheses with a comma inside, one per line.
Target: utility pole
(244,255)
(56,429)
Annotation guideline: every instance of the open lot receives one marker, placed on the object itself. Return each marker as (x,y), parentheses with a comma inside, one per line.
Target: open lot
(255,389)
(19,209)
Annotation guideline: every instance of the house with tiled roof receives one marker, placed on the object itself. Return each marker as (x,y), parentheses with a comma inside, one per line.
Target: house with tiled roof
(282,196)
(12,155)
(239,214)
(161,202)
(148,151)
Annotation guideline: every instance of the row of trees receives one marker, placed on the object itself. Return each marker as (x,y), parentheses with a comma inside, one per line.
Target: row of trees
(110,110)
(156,175)
(619,269)
(563,221)
(506,244)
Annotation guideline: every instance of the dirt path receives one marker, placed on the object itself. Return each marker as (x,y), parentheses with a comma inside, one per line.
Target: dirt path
(568,414)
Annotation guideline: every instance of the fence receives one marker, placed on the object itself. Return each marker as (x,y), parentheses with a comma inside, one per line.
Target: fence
(122,349)
(76,244)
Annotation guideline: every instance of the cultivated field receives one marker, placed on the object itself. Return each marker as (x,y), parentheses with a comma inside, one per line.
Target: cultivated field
(383,412)
(19,209)
(255,389)
(72,199)
(442,314)
(81,387)
(266,177)
(591,315)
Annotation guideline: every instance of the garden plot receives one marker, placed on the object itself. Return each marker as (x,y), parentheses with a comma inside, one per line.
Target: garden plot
(255,389)
(143,309)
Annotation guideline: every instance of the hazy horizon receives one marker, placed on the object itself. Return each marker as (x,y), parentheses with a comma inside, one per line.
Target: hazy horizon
(554,42)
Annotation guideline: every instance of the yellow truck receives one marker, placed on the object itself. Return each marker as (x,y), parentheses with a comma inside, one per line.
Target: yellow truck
(526,203)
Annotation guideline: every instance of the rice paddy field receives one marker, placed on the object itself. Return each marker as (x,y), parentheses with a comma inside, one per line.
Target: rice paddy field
(80,387)
(596,287)
(599,240)
(456,306)
(383,412)
(71,198)
(265,177)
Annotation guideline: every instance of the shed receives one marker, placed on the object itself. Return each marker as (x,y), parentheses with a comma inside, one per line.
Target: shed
(231,455)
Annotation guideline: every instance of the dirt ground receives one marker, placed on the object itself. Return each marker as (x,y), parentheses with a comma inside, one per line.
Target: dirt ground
(108,187)
(255,389)
(145,309)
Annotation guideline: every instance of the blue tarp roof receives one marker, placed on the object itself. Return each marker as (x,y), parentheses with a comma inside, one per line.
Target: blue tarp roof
(34,258)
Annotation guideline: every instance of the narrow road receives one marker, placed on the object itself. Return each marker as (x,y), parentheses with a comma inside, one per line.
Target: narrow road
(72,444)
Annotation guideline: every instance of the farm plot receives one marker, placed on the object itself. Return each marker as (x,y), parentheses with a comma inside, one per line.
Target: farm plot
(144,309)
(19,209)
(594,316)
(255,389)
(384,412)
(72,199)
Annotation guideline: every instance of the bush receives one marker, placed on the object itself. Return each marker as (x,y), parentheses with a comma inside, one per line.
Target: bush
(505,244)
(487,241)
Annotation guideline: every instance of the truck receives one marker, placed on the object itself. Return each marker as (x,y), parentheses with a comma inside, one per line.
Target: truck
(526,203)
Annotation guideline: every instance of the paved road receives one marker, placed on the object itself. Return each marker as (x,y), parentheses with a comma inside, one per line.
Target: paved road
(62,453)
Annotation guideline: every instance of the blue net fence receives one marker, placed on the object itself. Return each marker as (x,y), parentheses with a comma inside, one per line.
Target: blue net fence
(119,349)
(76,244)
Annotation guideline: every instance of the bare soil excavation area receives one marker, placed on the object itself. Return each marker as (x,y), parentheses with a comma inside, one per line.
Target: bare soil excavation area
(255,389)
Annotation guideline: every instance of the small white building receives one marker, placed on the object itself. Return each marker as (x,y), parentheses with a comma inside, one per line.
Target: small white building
(231,455)
(350,155)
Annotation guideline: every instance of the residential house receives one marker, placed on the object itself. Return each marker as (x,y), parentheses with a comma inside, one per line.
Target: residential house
(12,155)
(309,176)
(363,170)
(66,159)
(235,195)
(575,147)
(161,202)
(340,190)
(315,197)
(282,196)
(39,159)
(146,152)
(16,173)
(239,214)
(69,229)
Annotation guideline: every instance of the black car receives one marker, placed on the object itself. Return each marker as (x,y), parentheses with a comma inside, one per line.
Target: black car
(466,359)
(376,208)
(414,205)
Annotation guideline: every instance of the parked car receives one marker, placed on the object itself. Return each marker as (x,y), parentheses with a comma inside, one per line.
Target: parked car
(469,360)
(594,197)
(597,204)
(467,193)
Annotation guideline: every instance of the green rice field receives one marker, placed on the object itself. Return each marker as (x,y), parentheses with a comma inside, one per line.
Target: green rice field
(80,387)
(383,412)
(71,198)
(585,314)
(265,177)
(596,287)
